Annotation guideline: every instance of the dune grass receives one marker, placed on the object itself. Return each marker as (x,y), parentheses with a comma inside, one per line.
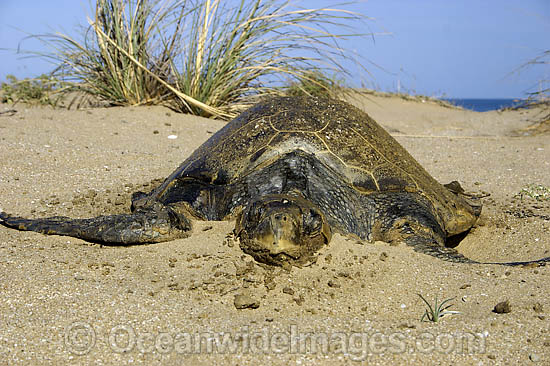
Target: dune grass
(42,90)
(205,57)
(541,97)
(316,83)
(543,92)
(123,34)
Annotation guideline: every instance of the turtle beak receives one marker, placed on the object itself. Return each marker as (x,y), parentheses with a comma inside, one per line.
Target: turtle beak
(278,233)
(280,228)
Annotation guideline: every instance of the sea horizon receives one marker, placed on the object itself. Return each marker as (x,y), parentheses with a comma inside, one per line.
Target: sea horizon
(485,104)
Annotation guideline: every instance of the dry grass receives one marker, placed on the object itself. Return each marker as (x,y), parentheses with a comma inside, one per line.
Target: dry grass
(315,83)
(123,35)
(237,55)
(204,57)
(541,97)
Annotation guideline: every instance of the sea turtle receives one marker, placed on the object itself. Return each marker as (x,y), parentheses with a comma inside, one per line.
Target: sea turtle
(291,170)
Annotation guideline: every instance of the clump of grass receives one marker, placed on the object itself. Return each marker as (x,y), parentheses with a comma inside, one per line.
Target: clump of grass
(238,55)
(43,90)
(535,191)
(203,57)
(119,59)
(315,83)
(438,310)
(541,97)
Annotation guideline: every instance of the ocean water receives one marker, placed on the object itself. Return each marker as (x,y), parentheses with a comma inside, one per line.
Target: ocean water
(484,105)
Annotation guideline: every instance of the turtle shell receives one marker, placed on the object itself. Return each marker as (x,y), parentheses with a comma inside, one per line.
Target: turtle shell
(341,136)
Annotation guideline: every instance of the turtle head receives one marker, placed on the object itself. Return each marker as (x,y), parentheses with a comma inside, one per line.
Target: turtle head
(278,229)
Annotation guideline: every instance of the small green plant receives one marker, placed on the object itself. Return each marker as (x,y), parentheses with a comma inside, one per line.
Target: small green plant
(535,191)
(438,310)
(41,90)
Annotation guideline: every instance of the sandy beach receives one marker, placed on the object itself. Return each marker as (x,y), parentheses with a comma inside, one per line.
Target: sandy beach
(67,301)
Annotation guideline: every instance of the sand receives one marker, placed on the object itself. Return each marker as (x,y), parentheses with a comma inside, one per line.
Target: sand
(66,301)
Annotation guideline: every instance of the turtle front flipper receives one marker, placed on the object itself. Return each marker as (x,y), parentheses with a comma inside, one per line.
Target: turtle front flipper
(151,225)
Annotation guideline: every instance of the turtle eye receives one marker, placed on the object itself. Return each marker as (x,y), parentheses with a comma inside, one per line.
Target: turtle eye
(254,212)
(312,222)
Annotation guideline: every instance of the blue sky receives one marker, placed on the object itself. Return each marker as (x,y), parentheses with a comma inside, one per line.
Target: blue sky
(460,49)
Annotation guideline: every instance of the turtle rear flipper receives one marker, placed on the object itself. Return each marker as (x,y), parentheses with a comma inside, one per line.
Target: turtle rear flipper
(140,227)
(423,234)
(431,247)
(412,222)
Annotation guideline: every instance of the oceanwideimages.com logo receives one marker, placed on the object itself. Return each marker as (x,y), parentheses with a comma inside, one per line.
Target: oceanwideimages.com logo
(81,338)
